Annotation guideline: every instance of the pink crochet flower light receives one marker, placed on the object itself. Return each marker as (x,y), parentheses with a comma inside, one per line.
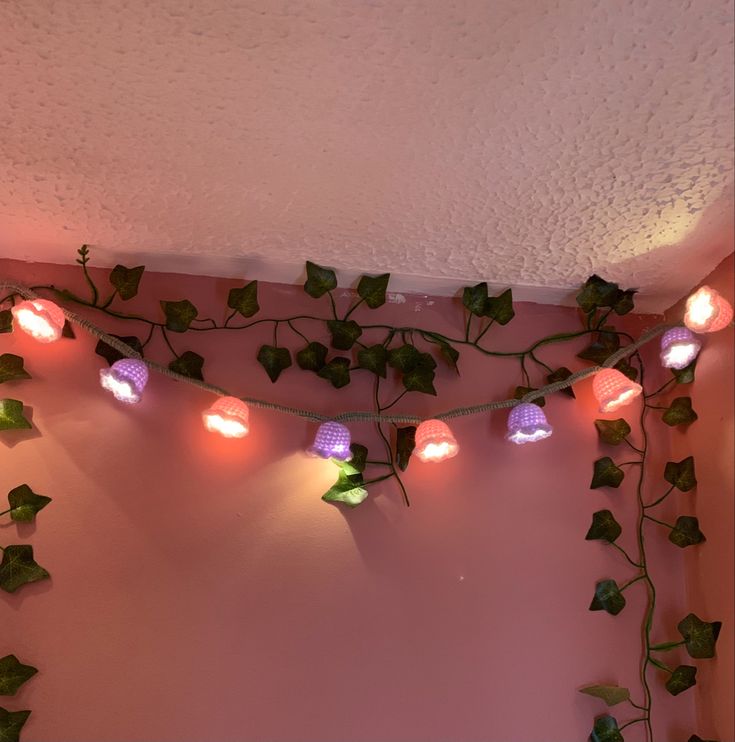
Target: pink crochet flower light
(707,311)
(40,318)
(435,442)
(228,416)
(614,389)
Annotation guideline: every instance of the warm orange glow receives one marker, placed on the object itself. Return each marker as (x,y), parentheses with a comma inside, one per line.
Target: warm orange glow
(228,416)
(707,311)
(435,442)
(614,389)
(39,318)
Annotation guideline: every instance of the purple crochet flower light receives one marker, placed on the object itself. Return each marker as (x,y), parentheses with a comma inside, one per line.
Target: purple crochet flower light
(332,442)
(527,423)
(126,379)
(679,347)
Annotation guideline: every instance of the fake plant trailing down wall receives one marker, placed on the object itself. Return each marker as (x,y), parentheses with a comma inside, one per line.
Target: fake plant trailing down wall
(212,568)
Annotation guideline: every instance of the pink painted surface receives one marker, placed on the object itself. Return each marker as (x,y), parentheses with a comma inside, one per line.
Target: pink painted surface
(201,589)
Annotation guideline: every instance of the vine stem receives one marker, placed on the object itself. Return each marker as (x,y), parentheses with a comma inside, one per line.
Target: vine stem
(386,443)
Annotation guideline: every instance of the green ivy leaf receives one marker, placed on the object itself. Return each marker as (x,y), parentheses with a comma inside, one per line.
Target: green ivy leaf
(179,314)
(373,359)
(613,432)
(601,349)
(608,598)
(699,636)
(337,372)
(475,298)
(312,357)
(420,379)
(347,489)
(681,474)
(188,364)
(561,374)
(685,375)
(500,308)
(126,280)
(697,738)
(405,443)
(522,391)
(19,568)
(625,368)
(372,289)
(67,331)
(357,463)
(606,474)
(13,674)
(344,333)
(680,412)
(624,302)
(610,694)
(447,352)
(244,300)
(686,532)
(274,360)
(606,730)
(597,292)
(111,354)
(11,368)
(11,415)
(683,678)
(6,321)
(11,722)
(319,280)
(25,503)
(604,527)
(404,358)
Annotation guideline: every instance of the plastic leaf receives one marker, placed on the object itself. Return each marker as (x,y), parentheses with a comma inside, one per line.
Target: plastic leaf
(405,443)
(6,321)
(25,503)
(606,474)
(11,415)
(606,730)
(244,300)
(111,354)
(521,391)
(319,280)
(337,371)
(13,674)
(613,432)
(683,678)
(604,527)
(373,359)
(680,412)
(475,298)
(126,280)
(610,694)
(11,722)
(681,474)
(685,375)
(11,368)
(699,636)
(312,357)
(274,360)
(561,374)
(686,532)
(344,333)
(19,568)
(188,364)
(608,598)
(179,314)
(500,308)
(347,490)
(372,289)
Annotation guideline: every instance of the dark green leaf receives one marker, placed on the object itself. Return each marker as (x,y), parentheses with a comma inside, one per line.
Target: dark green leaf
(685,375)
(344,333)
(347,489)
(19,568)
(337,372)
(11,368)
(604,527)
(606,474)
(274,360)
(606,730)
(312,357)
(356,464)
(697,738)
(624,302)
(244,300)
(681,474)
(179,314)
(610,694)
(373,359)
(686,532)
(500,308)
(561,374)
(597,293)
(475,298)
(319,280)
(680,412)
(522,391)
(405,358)
(188,364)
(613,432)
(111,355)
(11,415)
(665,646)
(13,674)
(372,289)
(405,443)
(699,636)
(448,352)
(608,598)
(6,321)
(420,379)
(25,503)
(11,722)
(625,368)
(67,331)
(126,280)
(601,349)
(681,679)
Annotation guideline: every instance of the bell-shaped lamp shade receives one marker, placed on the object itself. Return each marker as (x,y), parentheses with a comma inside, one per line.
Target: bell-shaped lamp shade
(228,416)
(707,311)
(126,379)
(614,389)
(40,318)
(332,442)
(527,424)
(435,442)
(679,347)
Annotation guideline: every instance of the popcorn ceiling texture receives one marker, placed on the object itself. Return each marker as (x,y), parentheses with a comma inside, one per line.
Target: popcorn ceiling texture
(526,143)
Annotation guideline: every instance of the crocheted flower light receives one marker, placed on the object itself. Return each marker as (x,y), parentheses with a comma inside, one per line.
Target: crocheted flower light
(228,416)
(679,347)
(614,389)
(126,379)
(527,424)
(707,311)
(40,318)
(332,442)
(435,442)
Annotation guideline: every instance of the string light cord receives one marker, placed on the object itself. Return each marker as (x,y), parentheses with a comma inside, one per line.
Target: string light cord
(351,416)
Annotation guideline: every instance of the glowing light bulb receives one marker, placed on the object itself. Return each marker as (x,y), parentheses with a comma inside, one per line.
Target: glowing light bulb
(527,424)
(614,389)
(435,442)
(39,318)
(679,347)
(707,311)
(126,379)
(228,416)
(332,442)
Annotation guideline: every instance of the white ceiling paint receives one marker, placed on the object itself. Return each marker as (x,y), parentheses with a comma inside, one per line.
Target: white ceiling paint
(527,143)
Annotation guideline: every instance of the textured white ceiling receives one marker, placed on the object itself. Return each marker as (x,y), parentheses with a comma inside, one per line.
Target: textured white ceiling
(526,142)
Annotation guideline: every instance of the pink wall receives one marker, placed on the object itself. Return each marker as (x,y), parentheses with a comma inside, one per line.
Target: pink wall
(202,590)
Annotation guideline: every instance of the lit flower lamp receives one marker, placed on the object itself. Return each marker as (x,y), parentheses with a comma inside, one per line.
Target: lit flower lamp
(527,424)
(614,389)
(126,379)
(435,442)
(228,416)
(707,311)
(40,318)
(679,347)
(332,442)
